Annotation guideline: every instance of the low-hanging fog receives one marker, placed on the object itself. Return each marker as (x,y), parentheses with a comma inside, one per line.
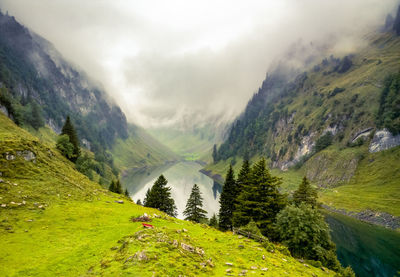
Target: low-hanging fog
(173,62)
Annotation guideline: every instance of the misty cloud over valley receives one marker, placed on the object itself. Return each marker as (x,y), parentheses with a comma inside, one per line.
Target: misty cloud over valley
(185,62)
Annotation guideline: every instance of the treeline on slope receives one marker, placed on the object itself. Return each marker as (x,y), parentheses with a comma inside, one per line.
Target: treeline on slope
(255,132)
(252,201)
(38,88)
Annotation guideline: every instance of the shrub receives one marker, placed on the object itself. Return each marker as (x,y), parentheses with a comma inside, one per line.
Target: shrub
(323,142)
(65,147)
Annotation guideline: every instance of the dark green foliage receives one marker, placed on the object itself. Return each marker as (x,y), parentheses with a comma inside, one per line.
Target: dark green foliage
(213,221)
(69,130)
(323,142)
(335,91)
(305,194)
(214,154)
(344,65)
(304,231)
(396,24)
(252,229)
(260,200)
(139,202)
(126,193)
(227,201)
(389,108)
(116,187)
(159,197)
(35,118)
(65,146)
(194,205)
(84,164)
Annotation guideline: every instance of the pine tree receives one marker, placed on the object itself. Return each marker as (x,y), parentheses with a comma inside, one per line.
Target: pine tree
(260,200)
(159,197)
(146,197)
(36,118)
(112,186)
(126,192)
(215,153)
(305,194)
(115,187)
(138,202)
(68,129)
(213,221)
(194,211)
(227,201)
(118,187)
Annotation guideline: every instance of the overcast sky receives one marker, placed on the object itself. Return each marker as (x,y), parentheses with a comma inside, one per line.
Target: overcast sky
(167,62)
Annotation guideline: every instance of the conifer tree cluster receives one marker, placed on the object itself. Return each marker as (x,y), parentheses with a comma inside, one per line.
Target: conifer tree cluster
(194,211)
(116,187)
(253,196)
(159,197)
(68,131)
(305,194)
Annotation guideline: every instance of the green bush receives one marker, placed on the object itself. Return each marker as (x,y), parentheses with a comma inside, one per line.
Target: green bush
(323,142)
(65,146)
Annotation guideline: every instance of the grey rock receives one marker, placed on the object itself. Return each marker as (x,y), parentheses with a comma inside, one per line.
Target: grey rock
(119,201)
(383,140)
(229,264)
(141,256)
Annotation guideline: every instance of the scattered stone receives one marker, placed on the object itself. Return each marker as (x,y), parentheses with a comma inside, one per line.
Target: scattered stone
(263,257)
(240,236)
(142,218)
(1,180)
(119,201)
(228,270)
(184,230)
(175,243)
(141,256)
(23,202)
(306,265)
(29,220)
(284,260)
(243,272)
(264,268)
(253,267)
(324,269)
(26,230)
(199,251)
(9,157)
(241,246)
(12,203)
(229,264)
(210,262)
(128,259)
(114,248)
(187,247)
(41,207)
(15,184)
(3,205)
(69,195)
(156,216)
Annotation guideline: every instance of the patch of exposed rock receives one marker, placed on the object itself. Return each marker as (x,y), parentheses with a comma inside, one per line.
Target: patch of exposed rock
(383,140)
(373,217)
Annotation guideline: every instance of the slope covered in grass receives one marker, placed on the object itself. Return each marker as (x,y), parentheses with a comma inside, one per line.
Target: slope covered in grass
(140,149)
(56,222)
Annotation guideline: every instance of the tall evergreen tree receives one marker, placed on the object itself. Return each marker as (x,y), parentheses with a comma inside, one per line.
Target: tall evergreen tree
(227,201)
(69,129)
(215,154)
(146,197)
(305,194)
(213,221)
(159,197)
(116,187)
(260,200)
(194,211)
(36,118)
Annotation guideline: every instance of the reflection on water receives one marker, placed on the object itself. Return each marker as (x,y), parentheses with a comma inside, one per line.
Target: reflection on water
(181,178)
(370,250)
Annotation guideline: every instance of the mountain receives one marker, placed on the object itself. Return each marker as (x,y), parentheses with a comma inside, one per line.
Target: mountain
(38,86)
(55,221)
(337,122)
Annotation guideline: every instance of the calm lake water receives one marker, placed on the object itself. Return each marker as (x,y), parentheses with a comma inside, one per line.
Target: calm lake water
(181,177)
(369,249)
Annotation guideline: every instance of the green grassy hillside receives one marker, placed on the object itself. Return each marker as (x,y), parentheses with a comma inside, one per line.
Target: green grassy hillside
(139,150)
(327,99)
(56,222)
(190,144)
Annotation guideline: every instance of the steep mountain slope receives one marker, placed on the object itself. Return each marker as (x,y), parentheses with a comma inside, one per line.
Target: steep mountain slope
(37,86)
(330,123)
(55,221)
